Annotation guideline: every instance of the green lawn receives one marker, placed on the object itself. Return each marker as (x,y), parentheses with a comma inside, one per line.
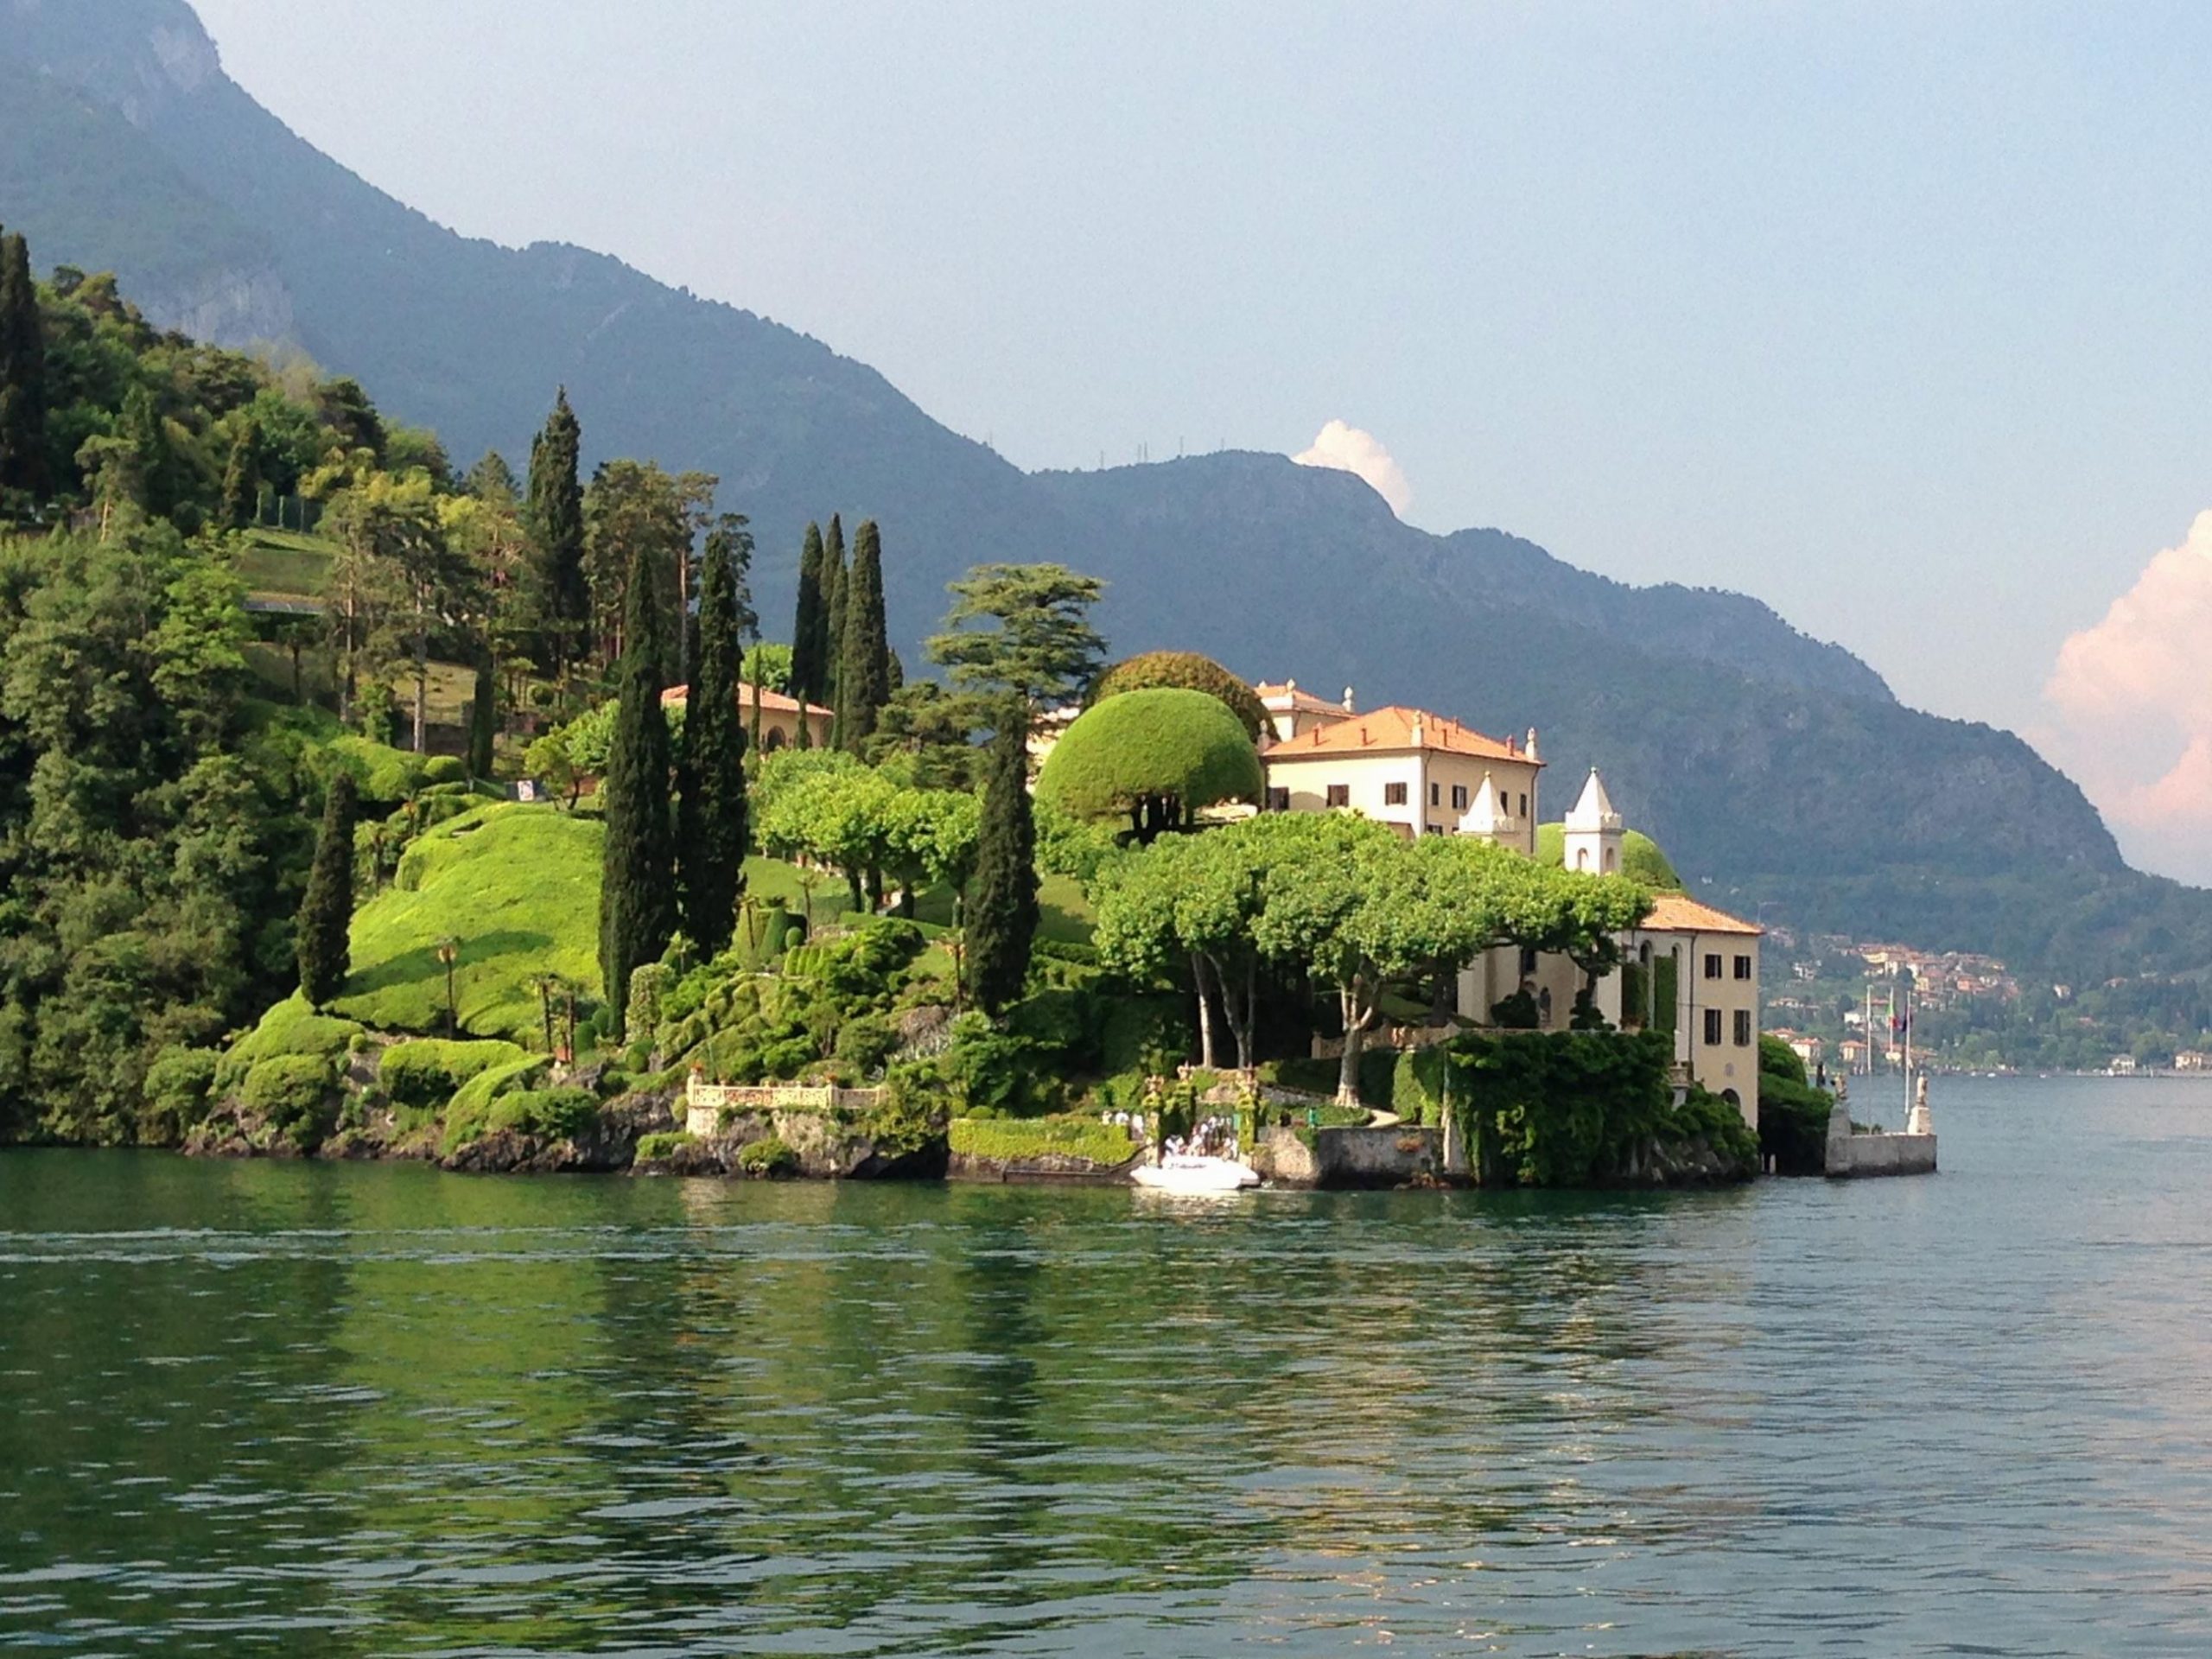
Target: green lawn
(284,564)
(518,887)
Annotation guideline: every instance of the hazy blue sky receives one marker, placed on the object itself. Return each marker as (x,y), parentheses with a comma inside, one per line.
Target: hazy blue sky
(1895,316)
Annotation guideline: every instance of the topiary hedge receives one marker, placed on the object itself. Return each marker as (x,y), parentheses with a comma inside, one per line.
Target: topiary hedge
(1013,1140)
(1190,671)
(425,1074)
(1154,758)
(295,1094)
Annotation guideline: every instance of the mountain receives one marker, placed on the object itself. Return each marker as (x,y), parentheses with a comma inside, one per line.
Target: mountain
(1751,751)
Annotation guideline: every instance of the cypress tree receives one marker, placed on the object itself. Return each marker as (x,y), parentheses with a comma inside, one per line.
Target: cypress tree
(806,623)
(22,374)
(712,839)
(864,657)
(1002,918)
(830,636)
(242,478)
(327,908)
(637,894)
(554,518)
(483,718)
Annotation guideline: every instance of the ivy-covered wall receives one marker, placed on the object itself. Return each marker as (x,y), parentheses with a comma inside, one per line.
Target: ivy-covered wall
(1583,1109)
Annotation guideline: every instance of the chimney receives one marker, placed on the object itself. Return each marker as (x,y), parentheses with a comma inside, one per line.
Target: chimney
(1416,731)
(1533,755)
(1348,709)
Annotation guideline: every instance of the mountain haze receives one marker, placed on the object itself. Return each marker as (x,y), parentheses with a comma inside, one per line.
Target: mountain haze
(1744,746)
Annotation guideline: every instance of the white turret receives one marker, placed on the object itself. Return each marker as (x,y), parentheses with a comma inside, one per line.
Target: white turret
(1488,817)
(1594,831)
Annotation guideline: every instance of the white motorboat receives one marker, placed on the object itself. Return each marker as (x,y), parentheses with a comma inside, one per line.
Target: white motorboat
(1183,1171)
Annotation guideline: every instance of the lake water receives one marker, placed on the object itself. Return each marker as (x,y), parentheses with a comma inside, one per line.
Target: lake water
(250,1407)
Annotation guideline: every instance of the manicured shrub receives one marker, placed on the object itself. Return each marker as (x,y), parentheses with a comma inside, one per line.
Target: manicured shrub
(550,1114)
(295,1094)
(445,769)
(425,1074)
(767,1157)
(1151,758)
(291,1027)
(865,1043)
(1010,1140)
(664,1143)
(1190,672)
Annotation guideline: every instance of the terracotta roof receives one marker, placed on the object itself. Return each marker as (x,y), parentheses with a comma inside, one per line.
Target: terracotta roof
(1289,697)
(769,699)
(1677,912)
(1384,730)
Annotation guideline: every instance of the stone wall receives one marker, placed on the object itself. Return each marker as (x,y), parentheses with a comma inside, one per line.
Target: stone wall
(1350,1157)
(1850,1155)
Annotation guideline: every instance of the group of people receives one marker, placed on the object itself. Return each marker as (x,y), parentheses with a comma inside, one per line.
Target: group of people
(1211,1137)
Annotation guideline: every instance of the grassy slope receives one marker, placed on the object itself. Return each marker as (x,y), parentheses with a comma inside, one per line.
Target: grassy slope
(518,887)
(284,564)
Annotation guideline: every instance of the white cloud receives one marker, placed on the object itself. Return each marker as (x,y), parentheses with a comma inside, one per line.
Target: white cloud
(2132,701)
(1347,449)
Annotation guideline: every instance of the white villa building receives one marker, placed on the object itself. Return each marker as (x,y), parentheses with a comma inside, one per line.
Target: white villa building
(1424,774)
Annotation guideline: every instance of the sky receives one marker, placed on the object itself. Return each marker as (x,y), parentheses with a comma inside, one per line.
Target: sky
(1892,315)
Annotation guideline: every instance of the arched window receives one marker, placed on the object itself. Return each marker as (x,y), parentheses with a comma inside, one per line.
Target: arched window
(773,742)
(1582,858)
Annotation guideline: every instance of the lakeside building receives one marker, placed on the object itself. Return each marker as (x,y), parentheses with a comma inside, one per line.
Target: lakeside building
(779,716)
(1425,774)
(2192,1060)
(1421,775)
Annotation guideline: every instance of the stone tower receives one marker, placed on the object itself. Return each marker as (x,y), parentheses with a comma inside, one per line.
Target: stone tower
(1594,831)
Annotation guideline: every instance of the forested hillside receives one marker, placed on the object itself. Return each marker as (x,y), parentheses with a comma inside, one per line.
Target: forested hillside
(1761,757)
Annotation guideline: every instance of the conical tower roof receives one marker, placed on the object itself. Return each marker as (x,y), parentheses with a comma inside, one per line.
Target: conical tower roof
(1595,810)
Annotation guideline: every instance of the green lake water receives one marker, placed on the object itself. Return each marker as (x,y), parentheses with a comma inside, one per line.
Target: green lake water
(283,1409)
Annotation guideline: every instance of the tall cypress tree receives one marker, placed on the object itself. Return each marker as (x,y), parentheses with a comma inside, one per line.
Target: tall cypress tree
(806,626)
(830,636)
(242,478)
(864,657)
(554,514)
(1002,918)
(327,908)
(22,374)
(483,718)
(637,893)
(711,838)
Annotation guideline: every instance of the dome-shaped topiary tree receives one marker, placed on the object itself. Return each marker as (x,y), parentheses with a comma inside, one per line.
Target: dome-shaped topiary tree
(1153,757)
(1191,672)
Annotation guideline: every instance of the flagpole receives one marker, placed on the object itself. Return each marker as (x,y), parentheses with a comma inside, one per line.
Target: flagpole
(1908,1045)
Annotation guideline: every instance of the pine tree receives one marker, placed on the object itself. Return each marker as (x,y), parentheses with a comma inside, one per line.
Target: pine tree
(711,843)
(22,374)
(864,657)
(636,897)
(1002,917)
(242,478)
(483,718)
(327,908)
(806,624)
(554,518)
(831,634)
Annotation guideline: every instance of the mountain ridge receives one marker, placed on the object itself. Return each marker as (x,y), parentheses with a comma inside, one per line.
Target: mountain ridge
(1746,746)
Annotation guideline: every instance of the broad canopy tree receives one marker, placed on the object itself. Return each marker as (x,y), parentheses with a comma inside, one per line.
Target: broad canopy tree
(1155,758)
(1022,629)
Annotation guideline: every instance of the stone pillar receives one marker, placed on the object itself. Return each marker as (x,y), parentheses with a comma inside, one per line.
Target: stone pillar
(1838,1159)
(1916,1121)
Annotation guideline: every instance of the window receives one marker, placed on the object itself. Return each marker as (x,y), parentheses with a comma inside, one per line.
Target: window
(1278,800)
(1393,794)
(1713,1028)
(1712,971)
(1436,794)
(1340,795)
(1524,806)
(1743,1027)
(1458,798)
(1742,967)
(1435,828)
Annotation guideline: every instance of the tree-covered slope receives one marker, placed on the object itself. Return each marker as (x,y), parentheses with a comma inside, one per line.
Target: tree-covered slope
(1747,747)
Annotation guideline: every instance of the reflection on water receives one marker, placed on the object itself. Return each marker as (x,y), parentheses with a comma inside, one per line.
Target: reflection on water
(359,1410)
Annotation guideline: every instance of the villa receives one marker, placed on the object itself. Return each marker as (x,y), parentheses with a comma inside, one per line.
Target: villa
(779,716)
(1694,968)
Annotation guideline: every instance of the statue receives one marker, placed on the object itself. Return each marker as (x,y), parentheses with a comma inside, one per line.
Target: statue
(1916,1121)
